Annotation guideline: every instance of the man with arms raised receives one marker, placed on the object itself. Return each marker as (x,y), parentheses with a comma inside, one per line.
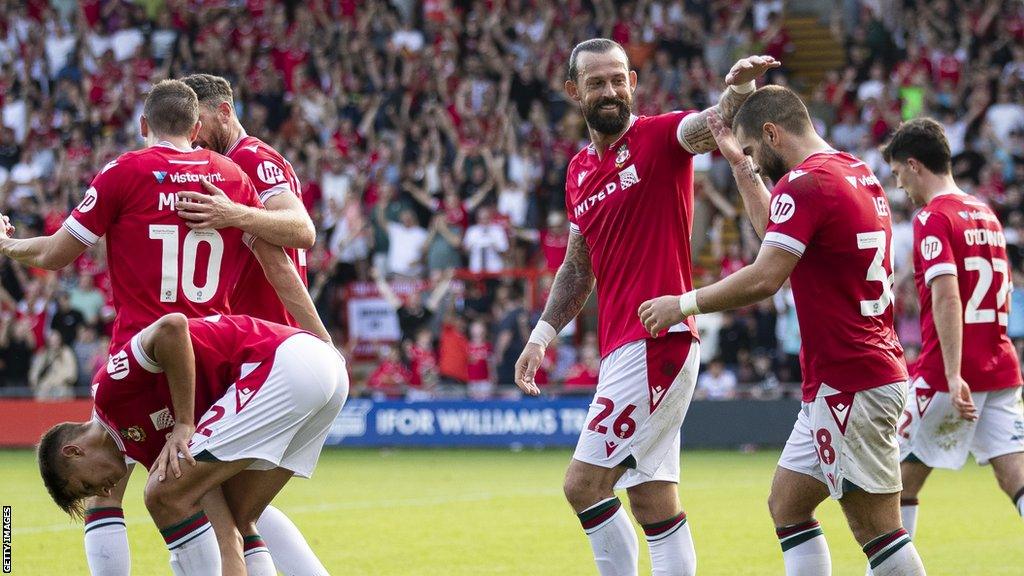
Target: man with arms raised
(629,196)
(968,369)
(155,259)
(828,229)
(229,404)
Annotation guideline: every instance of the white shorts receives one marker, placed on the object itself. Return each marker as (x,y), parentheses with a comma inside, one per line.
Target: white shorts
(845,438)
(643,391)
(933,431)
(280,412)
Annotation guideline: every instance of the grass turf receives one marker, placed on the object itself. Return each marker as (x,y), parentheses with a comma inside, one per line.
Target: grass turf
(492,512)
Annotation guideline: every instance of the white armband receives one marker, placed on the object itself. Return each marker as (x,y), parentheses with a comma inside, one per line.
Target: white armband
(543,334)
(688,304)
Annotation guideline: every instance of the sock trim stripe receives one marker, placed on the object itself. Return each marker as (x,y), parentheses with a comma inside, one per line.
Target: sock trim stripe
(189,537)
(184,528)
(103,522)
(592,517)
(1018,495)
(795,540)
(908,502)
(872,548)
(787,531)
(254,541)
(658,528)
(665,535)
(884,555)
(252,551)
(97,515)
(104,509)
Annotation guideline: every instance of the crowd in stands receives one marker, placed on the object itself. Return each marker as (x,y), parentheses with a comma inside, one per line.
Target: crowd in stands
(431,139)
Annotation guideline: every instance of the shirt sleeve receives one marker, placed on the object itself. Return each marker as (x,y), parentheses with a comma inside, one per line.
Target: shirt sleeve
(795,213)
(574,227)
(101,205)
(269,174)
(933,249)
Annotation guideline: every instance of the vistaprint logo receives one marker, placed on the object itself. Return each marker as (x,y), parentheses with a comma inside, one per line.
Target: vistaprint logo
(186,177)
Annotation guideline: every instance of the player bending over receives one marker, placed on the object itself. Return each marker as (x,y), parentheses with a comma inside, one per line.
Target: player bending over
(966,394)
(828,230)
(223,411)
(629,196)
(159,265)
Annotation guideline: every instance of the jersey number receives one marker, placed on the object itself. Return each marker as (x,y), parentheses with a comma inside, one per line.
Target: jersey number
(877,272)
(623,427)
(167,234)
(972,313)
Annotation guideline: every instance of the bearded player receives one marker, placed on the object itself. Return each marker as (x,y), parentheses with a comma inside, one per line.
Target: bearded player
(828,230)
(629,196)
(285,221)
(157,264)
(222,410)
(968,373)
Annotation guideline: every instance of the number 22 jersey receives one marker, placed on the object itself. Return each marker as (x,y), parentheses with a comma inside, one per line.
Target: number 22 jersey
(159,265)
(959,235)
(831,212)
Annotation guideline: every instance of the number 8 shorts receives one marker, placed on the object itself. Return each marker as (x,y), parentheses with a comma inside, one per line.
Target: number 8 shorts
(279,412)
(644,389)
(848,439)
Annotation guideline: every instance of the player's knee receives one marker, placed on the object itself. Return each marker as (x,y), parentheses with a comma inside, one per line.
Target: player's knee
(581,492)
(163,500)
(784,511)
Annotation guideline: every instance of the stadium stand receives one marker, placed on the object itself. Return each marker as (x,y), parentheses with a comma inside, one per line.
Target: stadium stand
(433,137)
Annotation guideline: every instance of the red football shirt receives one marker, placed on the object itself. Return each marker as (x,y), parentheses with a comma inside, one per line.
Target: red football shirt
(958,234)
(271,174)
(831,212)
(634,208)
(132,398)
(479,368)
(158,265)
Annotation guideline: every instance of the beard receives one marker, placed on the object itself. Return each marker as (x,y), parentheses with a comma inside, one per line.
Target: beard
(608,122)
(771,164)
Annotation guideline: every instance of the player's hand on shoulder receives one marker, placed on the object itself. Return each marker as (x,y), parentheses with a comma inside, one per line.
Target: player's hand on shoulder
(212,209)
(660,313)
(750,68)
(960,394)
(526,368)
(177,443)
(728,145)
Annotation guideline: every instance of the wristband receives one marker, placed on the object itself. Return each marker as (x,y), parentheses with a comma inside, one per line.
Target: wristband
(688,304)
(745,88)
(543,334)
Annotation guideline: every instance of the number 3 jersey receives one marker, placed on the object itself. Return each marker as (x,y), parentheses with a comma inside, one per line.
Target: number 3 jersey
(158,264)
(132,398)
(832,213)
(959,235)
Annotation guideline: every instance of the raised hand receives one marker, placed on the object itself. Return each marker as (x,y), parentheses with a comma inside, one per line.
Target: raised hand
(750,68)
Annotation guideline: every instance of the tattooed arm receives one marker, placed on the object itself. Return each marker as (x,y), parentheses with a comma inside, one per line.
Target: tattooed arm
(756,197)
(573,284)
(693,133)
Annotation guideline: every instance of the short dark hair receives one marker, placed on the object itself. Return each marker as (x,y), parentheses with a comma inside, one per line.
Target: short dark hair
(776,104)
(924,140)
(172,108)
(210,89)
(54,470)
(595,45)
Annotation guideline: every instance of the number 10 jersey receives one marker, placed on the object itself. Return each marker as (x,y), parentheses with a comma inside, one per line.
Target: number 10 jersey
(832,213)
(158,264)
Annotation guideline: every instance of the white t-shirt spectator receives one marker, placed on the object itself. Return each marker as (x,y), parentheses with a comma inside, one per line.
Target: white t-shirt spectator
(485,244)
(57,51)
(512,203)
(125,42)
(1005,118)
(717,387)
(408,40)
(405,249)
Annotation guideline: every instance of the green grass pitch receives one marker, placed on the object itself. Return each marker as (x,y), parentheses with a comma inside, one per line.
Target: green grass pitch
(473,512)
